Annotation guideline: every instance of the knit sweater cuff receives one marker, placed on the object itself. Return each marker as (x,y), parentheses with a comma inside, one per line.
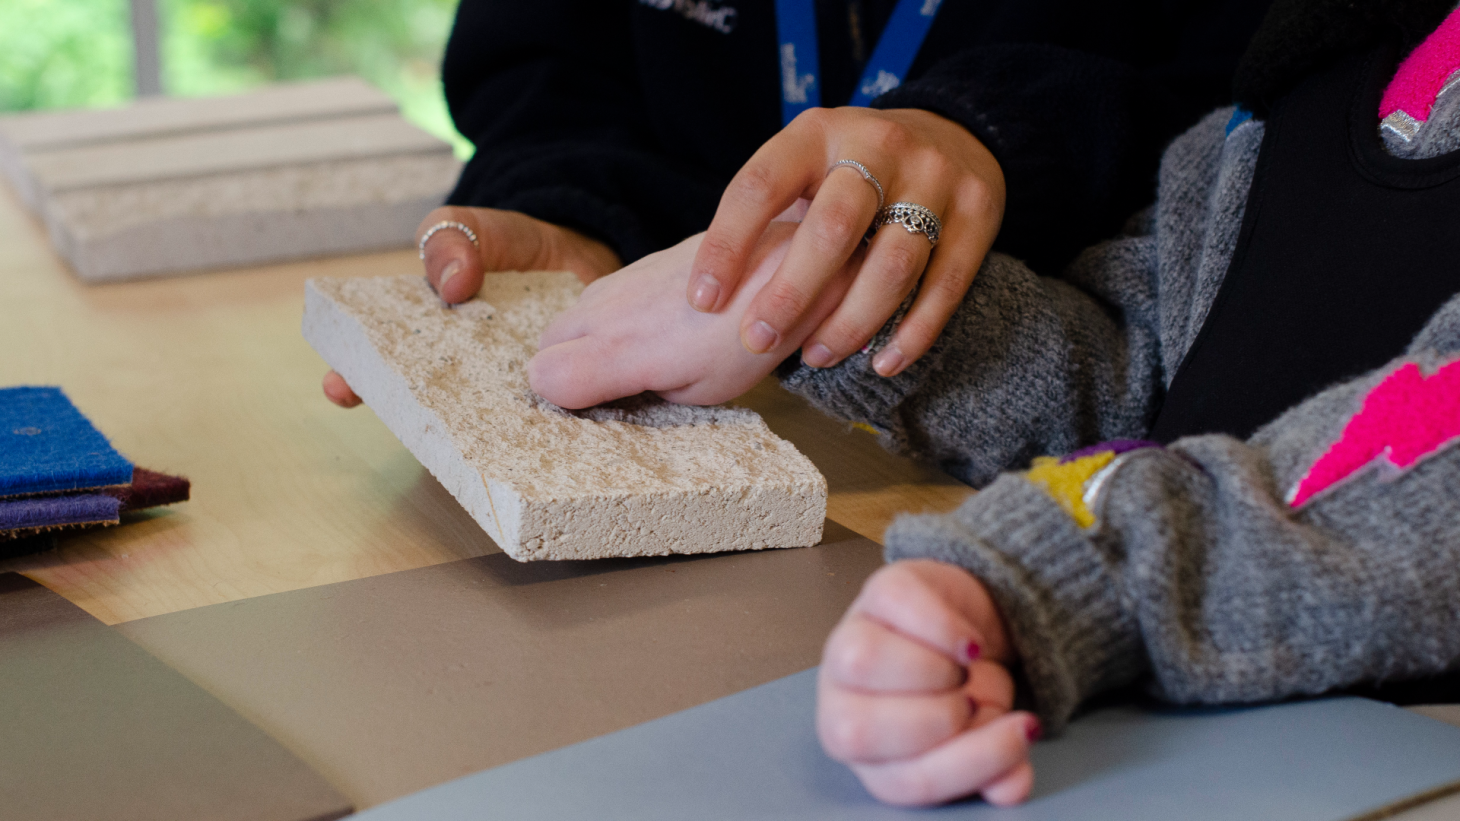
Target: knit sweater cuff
(1060,600)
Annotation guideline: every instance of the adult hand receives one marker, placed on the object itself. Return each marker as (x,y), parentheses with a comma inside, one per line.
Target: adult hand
(918,157)
(914,692)
(632,332)
(510,241)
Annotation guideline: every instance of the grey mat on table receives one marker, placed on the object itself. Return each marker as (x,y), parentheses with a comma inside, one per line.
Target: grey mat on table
(91,726)
(399,682)
(754,755)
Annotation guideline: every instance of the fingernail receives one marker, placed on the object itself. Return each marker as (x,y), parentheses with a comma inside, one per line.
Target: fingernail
(1033,730)
(889,361)
(452,269)
(818,356)
(760,337)
(706,293)
(971,651)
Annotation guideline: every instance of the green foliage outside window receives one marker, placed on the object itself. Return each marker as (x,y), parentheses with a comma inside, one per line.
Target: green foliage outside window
(68,53)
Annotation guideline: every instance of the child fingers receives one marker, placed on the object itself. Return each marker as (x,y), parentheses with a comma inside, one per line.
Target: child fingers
(1012,787)
(858,727)
(864,654)
(905,601)
(894,262)
(965,764)
(991,688)
(579,373)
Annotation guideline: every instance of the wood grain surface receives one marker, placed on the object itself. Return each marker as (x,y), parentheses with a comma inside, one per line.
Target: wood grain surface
(207,375)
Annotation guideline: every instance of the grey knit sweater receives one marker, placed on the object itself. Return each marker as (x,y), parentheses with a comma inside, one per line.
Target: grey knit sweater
(1196,574)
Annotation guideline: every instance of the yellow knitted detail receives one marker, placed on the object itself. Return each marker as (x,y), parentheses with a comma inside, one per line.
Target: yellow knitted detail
(866,427)
(1066,482)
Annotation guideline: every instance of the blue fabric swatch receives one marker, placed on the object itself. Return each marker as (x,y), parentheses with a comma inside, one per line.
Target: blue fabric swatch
(57,511)
(47,446)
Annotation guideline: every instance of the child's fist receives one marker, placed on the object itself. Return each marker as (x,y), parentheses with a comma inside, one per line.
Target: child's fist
(632,331)
(915,694)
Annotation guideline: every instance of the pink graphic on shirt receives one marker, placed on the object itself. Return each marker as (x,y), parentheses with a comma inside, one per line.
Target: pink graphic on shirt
(1424,72)
(1405,418)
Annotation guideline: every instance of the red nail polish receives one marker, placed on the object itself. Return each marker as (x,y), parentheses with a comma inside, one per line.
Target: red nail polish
(972,650)
(1033,730)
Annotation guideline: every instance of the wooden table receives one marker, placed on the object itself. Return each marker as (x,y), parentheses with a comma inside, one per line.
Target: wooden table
(207,376)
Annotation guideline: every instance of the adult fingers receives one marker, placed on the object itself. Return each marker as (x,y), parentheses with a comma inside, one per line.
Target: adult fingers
(865,654)
(970,226)
(835,223)
(337,391)
(453,263)
(779,173)
(860,728)
(895,260)
(900,598)
(965,764)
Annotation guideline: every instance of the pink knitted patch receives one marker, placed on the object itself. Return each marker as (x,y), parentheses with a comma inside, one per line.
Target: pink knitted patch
(1423,73)
(1405,418)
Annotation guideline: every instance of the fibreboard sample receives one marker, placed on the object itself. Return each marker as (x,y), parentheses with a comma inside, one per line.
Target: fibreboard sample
(95,727)
(754,755)
(47,446)
(641,478)
(35,133)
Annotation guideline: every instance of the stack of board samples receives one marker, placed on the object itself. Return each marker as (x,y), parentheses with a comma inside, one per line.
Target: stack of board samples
(169,185)
(58,471)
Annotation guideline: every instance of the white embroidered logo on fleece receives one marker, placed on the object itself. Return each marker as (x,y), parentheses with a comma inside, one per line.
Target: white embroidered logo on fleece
(793,85)
(708,13)
(885,82)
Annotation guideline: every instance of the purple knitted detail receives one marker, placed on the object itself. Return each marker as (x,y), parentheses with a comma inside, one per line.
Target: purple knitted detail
(1116,446)
(56,511)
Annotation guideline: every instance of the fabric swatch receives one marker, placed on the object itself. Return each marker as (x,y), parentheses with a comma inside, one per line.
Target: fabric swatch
(24,517)
(48,446)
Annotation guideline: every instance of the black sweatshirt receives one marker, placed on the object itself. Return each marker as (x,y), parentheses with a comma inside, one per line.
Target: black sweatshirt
(625,119)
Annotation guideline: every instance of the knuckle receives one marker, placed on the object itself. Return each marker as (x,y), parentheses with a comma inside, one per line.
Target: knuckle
(716,249)
(781,299)
(855,658)
(837,224)
(845,735)
(754,184)
(893,137)
(904,261)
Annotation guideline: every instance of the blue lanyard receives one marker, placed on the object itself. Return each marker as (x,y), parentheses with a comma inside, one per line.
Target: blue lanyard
(896,49)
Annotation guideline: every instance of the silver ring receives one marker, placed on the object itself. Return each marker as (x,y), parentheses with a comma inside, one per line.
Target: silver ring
(866,175)
(470,234)
(915,218)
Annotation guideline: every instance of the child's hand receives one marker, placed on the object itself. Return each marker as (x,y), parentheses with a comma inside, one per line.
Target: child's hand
(632,331)
(915,694)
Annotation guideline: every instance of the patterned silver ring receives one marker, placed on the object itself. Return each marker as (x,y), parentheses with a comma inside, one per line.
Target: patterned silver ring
(915,218)
(444,224)
(866,175)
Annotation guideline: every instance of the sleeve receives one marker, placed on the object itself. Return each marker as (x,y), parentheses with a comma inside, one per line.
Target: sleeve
(1027,365)
(1078,135)
(1322,553)
(548,93)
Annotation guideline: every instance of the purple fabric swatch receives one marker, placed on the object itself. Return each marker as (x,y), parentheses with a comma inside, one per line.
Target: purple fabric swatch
(57,511)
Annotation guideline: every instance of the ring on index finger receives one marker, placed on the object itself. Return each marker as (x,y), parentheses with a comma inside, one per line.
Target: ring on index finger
(866,175)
